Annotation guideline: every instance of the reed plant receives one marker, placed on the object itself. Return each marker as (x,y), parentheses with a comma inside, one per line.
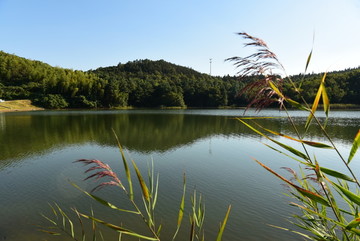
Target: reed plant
(143,206)
(328,199)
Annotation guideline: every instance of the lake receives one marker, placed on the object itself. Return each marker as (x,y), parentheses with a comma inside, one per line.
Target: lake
(37,151)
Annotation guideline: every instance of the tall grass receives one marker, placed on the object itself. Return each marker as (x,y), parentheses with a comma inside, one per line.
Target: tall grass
(143,206)
(328,199)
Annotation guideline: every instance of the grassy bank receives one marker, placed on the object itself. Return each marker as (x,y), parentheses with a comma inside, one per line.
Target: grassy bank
(17,105)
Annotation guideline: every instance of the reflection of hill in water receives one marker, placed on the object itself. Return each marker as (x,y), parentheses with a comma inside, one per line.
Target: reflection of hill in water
(23,134)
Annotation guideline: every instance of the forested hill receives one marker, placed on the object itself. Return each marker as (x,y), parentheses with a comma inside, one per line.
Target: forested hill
(144,83)
(342,86)
(159,83)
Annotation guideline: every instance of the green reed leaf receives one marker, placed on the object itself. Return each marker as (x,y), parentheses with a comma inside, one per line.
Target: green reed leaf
(311,195)
(126,167)
(356,231)
(309,143)
(50,232)
(336,174)
(297,104)
(350,195)
(290,230)
(273,86)
(308,61)
(223,225)
(156,192)
(340,224)
(289,148)
(325,100)
(354,147)
(316,101)
(83,237)
(104,202)
(181,209)
(354,223)
(49,219)
(142,183)
(287,155)
(192,229)
(118,228)
(292,150)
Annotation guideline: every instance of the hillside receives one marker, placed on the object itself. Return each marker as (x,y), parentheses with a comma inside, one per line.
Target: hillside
(146,83)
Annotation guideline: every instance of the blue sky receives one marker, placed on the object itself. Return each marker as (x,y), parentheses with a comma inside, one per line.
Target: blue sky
(84,35)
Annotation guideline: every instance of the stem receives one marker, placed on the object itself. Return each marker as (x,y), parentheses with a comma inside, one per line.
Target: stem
(148,224)
(337,151)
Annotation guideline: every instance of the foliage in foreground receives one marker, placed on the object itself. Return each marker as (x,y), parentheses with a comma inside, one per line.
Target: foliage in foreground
(328,199)
(61,223)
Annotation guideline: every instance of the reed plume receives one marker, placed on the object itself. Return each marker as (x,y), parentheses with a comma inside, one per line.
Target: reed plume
(264,65)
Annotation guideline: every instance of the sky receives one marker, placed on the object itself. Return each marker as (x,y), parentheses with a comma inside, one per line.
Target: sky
(85,35)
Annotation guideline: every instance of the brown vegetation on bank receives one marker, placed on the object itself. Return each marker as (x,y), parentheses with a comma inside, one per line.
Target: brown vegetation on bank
(17,105)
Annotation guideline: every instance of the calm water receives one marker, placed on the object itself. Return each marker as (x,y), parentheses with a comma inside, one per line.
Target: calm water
(37,151)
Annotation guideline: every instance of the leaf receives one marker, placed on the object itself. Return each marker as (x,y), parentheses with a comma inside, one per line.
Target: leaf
(316,144)
(272,85)
(350,195)
(126,167)
(316,102)
(49,232)
(223,225)
(308,61)
(354,223)
(336,174)
(290,230)
(354,147)
(118,228)
(104,202)
(313,196)
(297,104)
(287,155)
(309,143)
(292,150)
(142,183)
(340,224)
(325,100)
(181,209)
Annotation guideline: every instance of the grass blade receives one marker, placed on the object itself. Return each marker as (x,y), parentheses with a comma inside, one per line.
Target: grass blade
(118,228)
(309,143)
(104,202)
(308,61)
(272,85)
(316,102)
(354,223)
(126,167)
(336,174)
(292,150)
(223,225)
(350,195)
(325,100)
(313,196)
(142,183)
(297,104)
(181,209)
(354,147)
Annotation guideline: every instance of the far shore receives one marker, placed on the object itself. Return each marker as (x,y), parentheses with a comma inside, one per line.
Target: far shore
(26,105)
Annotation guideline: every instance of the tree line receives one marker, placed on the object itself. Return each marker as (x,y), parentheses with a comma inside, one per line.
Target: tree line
(144,83)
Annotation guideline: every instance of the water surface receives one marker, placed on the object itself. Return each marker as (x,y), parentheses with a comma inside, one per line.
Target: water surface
(37,150)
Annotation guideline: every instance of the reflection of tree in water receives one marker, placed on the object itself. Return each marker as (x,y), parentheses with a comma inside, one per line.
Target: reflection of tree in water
(31,133)
(2,122)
